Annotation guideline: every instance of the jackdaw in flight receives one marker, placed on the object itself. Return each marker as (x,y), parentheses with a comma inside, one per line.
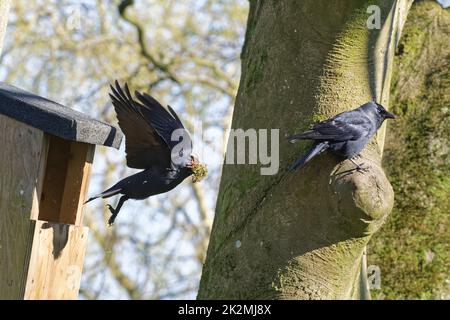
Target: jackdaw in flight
(149,145)
(346,134)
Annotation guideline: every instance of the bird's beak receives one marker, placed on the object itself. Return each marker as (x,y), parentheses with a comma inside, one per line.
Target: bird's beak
(389,115)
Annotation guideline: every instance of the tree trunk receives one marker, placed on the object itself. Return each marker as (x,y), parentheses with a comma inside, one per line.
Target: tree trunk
(302,235)
(412,249)
(4,10)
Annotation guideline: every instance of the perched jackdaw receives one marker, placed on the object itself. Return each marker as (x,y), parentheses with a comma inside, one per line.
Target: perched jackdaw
(148,129)
(345,134)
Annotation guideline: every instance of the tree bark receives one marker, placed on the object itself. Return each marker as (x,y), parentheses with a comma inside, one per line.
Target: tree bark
(412,249)
(301,235)
(4,10)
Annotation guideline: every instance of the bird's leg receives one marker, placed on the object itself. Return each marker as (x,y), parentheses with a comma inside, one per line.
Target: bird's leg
(359,167)
(115,212)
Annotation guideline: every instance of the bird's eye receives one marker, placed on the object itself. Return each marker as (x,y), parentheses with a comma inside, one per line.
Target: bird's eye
(181,153)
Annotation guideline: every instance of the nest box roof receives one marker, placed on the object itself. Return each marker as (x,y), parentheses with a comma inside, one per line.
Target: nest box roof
(56,119)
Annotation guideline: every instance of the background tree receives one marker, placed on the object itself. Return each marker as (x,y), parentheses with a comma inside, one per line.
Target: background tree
(412,249)
(186,54)
(302,235)
(4,11)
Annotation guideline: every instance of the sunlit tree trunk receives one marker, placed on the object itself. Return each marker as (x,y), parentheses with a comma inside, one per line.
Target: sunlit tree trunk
(302,235)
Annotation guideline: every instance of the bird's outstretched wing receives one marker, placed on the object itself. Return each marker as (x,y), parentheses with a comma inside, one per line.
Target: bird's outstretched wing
(343,127)
(165,122)
(144,146)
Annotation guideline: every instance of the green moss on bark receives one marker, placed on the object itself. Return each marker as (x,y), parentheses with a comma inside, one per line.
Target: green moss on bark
(412,249)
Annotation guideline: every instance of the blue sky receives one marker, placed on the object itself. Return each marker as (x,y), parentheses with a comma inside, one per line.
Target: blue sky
(445,3)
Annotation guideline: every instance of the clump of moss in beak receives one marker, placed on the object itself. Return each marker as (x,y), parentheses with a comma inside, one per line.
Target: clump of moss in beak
(199,171)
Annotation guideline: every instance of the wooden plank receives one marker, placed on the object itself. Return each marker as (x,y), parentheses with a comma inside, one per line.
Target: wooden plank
(19,170)
(77,182)
(56,261)
(40,180)
(66,181)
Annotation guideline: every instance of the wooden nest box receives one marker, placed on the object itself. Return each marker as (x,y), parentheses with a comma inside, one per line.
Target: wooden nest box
(45,162)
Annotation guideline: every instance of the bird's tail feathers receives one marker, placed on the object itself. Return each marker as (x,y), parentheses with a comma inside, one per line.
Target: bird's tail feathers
(314,151)
(299,136)
(105,194)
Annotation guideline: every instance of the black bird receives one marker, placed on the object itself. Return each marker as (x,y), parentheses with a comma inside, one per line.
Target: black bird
(148,129)
(345,134)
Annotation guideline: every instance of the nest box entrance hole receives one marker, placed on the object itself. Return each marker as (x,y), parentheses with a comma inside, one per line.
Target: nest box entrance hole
(67,171)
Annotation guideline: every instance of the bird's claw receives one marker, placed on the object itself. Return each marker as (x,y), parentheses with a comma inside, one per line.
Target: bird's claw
(361,168)
(111,221)
(113,215)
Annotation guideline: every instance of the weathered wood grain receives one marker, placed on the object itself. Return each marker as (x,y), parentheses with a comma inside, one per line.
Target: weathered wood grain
(56,261)
(77,182)
(20,167)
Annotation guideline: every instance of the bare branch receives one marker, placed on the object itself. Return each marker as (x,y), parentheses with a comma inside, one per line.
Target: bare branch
(142,41)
